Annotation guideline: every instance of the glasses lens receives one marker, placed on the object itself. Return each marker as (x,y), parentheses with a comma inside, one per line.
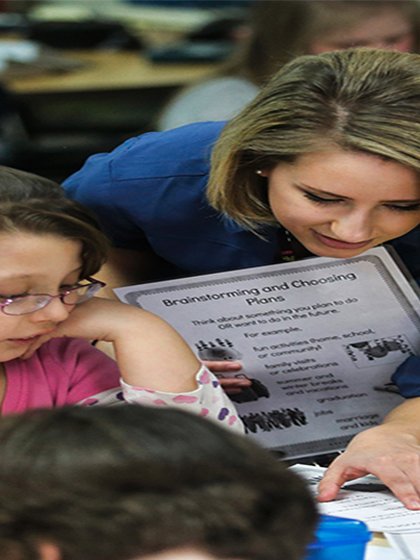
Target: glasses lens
(31,303)
(26,304)
(81,293)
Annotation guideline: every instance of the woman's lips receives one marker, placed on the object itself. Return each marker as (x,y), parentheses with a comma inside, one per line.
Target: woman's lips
(337,244)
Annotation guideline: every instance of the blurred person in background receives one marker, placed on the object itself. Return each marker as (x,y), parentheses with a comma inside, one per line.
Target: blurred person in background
(280,30)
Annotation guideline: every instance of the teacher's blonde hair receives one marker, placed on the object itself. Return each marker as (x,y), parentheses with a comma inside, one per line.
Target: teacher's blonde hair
(363,100)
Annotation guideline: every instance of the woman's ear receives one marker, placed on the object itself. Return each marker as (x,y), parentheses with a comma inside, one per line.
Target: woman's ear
(263,172)
(49,551)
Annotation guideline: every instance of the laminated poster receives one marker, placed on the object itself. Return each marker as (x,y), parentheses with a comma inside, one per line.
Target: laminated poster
(318,338)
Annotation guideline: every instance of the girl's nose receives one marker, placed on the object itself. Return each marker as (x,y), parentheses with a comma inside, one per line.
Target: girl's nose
(56,312)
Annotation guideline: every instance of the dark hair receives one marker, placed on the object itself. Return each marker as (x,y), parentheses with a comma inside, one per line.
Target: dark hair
(32,204)
(17,186)
(117,483)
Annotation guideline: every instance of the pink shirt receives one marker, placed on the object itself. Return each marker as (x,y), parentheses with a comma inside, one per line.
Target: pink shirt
(63,371)
(67,371)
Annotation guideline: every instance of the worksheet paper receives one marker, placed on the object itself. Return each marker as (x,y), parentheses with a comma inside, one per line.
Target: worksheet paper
(376,552)
(407,545)
(319,339)
(380,510)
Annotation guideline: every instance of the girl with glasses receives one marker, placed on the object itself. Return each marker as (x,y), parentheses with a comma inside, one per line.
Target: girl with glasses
(49,249)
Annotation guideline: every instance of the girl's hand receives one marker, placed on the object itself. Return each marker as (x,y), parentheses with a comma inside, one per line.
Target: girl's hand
(96,319)
(149,352)
(89,320)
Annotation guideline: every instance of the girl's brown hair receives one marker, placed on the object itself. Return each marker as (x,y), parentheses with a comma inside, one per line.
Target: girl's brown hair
(32,204)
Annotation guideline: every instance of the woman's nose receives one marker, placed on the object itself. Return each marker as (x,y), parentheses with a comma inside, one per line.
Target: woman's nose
(353,227)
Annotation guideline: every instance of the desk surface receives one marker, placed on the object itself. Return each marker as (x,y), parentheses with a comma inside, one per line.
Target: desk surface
(109,71)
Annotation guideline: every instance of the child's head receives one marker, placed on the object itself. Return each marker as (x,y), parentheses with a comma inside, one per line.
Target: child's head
(47,244)
(17,186)
(120,483)
(30,204)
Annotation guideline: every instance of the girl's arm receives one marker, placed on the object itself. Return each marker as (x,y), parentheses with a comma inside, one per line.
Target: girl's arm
(156,365)
(149,352)
(390,451)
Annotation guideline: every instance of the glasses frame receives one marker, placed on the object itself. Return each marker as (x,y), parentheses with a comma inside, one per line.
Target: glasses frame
(48,297)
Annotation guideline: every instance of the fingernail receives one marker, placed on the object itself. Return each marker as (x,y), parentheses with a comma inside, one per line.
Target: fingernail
(414,504)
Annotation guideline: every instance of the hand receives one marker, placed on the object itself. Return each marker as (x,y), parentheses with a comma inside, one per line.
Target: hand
(384,451)
(231,385)
(91,320)
(149,352)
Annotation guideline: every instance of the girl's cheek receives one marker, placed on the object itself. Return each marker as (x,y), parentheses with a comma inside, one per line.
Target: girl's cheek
(5,332)
(11,327)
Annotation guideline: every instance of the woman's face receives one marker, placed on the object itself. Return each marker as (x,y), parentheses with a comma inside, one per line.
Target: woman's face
(339,203)
(388,29)
(34,264)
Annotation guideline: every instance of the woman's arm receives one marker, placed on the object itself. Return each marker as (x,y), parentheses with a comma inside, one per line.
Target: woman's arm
(390,451)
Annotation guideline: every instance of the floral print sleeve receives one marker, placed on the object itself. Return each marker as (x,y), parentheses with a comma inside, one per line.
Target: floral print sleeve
(208,400)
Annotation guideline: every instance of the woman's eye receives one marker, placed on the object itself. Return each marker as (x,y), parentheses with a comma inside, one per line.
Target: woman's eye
(396,208)
(320,200)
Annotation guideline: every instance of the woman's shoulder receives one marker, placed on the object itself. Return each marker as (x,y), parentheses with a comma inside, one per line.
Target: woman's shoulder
(182,151)
(188,139)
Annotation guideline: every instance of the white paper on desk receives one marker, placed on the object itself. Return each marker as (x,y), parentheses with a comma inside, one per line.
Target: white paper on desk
(407,545)
(374,552)
(381,511)
(319,337)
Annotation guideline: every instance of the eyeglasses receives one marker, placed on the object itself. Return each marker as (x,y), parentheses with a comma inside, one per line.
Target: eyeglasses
(22,305)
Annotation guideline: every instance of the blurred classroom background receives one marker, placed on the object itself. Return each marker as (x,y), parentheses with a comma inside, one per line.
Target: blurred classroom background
(80,76)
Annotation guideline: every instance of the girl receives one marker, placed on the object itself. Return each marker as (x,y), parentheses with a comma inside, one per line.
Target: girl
(49,249)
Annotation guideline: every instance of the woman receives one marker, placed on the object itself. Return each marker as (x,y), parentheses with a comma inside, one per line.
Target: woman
(207,197)
(325,161)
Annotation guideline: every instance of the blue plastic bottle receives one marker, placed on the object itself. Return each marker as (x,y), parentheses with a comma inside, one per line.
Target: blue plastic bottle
(338,537)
